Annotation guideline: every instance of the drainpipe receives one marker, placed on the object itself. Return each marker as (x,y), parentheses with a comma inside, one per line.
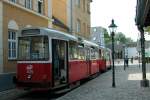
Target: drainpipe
(71,16)
(144,81)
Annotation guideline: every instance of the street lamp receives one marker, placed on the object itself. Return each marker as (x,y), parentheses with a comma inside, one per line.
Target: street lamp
(124,54)
(113,28)
(144,81)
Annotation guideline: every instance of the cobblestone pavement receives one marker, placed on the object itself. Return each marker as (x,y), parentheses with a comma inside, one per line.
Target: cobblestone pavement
(11,94)
(127,86)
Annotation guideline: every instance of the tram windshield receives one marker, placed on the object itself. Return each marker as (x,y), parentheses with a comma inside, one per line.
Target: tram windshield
(33,48)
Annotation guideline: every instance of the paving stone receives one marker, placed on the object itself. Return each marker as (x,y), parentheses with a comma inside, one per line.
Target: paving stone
(127,86)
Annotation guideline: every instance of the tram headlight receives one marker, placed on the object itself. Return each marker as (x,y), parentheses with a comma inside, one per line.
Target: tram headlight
(29,76)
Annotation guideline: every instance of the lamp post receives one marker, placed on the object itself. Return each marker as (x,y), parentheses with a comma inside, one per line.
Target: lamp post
(124,53)
(144,81)
(112,28)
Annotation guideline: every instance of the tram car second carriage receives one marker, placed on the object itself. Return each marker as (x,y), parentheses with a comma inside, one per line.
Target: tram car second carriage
(48,59)
(108,58)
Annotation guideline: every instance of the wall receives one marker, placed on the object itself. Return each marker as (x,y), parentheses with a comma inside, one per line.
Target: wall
(22,18)
(84,16)
(1,37)
(59,11)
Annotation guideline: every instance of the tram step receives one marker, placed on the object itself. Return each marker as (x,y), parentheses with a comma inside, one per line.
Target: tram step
(62,91)
(60,87)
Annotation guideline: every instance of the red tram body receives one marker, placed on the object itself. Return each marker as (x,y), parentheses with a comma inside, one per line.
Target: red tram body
(48,58)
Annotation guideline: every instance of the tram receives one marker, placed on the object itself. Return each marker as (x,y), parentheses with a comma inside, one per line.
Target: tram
(48,59)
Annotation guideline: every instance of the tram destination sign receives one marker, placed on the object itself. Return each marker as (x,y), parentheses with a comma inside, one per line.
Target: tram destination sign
(30,32)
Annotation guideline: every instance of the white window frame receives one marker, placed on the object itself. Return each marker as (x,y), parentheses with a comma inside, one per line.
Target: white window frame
(28,4)
(13,1)
(78,2)
(78,26)
(11,41)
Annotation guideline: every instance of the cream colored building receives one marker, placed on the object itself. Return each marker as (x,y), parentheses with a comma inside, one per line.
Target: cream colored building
(15,15)
(80,17)
(59,15)
(72,16)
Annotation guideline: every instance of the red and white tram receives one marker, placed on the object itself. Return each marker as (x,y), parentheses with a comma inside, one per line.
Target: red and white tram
(108,58)
(48,58)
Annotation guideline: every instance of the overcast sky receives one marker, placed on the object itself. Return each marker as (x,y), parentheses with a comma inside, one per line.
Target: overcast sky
(122,11)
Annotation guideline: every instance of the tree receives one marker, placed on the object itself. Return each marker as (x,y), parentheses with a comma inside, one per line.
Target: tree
(107,37)
(128,40)
(120,37)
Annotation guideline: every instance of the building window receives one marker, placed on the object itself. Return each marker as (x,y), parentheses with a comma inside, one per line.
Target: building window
(78,3)
(88,8)
(40,6)
(13,1)
(28,4)
(78,26)
(22,2)
(84,28)
(12,45)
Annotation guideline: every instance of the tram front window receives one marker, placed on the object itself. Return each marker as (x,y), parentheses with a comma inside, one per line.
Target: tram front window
(33,48)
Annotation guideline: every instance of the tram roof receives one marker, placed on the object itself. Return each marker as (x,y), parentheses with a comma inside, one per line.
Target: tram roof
(90,43)
(102,47)
(53,33)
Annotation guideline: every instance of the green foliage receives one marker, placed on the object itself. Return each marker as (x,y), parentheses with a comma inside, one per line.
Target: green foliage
(129,40)
(107,37)
(147,29)
(119,37)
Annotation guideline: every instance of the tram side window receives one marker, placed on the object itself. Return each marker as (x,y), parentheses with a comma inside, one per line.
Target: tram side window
(102,54)
(24,48)
(33,48)
(97,54)
(39,48)
(76,52)
(81,52)
(87,53)
(73,51)
(94,54)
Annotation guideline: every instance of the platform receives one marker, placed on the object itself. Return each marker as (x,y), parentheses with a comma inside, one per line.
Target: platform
(127,86)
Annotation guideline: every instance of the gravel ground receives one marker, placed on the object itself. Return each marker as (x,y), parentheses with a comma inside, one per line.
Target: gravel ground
(127,86)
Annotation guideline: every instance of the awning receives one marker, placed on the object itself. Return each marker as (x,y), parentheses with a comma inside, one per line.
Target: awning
(143,13)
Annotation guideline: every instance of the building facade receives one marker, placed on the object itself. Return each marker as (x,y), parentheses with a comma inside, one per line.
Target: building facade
(72,16)
(15,15)
(97,36)
(59,15)
(79,20)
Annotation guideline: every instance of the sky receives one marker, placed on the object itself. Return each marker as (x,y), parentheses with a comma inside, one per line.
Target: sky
(122,11)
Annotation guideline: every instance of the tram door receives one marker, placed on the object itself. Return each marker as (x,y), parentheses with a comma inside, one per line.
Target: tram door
(88,59)
(59,62)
